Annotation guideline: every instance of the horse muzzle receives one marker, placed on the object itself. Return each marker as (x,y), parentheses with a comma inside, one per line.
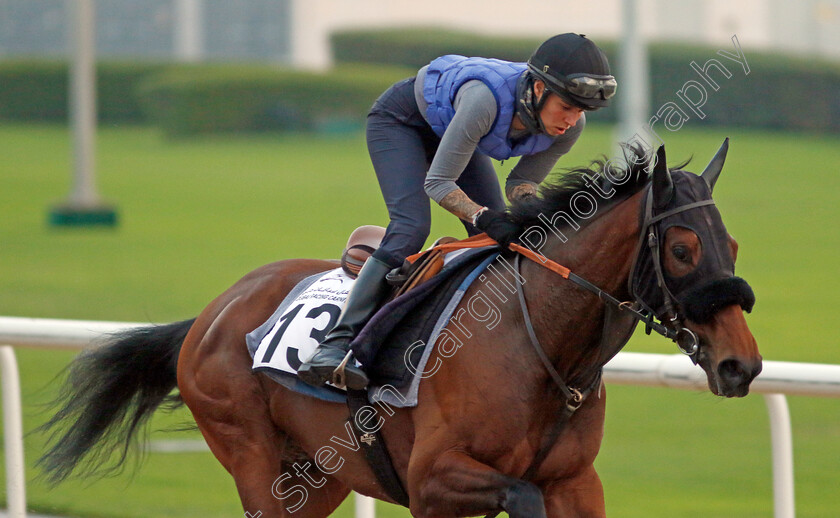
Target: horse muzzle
(728,352)
(734,376)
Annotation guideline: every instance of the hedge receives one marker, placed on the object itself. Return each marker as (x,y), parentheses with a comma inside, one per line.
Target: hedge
(780,92)
(37,90)
(228,98)
(202,98)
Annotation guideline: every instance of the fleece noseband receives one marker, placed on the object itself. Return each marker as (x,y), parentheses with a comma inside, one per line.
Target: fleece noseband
(703,302)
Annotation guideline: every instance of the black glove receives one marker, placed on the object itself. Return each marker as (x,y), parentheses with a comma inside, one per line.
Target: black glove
(498,226)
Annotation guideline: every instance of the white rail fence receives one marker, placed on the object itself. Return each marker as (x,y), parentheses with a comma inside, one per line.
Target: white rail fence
(660,370)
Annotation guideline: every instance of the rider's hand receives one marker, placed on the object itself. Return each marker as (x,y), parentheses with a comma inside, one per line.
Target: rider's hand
(498,226)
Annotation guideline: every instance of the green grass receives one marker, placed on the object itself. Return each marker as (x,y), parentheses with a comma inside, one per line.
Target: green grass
(197,214)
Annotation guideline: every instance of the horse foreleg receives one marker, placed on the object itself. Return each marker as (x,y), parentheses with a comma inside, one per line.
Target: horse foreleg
(455,484)
(578,497)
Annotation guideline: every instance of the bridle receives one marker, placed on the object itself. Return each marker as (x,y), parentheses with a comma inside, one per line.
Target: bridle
(651,236)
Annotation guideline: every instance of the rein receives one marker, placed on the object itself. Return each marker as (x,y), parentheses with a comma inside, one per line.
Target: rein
(564,272)
(686,340)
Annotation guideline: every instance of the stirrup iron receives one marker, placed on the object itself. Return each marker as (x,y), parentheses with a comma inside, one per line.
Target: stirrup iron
(339,378)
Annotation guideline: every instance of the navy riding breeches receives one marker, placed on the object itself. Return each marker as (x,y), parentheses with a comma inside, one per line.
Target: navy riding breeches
(402,145)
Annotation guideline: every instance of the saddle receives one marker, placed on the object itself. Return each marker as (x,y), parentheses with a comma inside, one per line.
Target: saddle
(360,245)
(417,268)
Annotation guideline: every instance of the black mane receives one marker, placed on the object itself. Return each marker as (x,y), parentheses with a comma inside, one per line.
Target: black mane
(557,195)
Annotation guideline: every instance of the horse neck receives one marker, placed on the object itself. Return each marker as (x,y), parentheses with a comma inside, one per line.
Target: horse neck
(567,319)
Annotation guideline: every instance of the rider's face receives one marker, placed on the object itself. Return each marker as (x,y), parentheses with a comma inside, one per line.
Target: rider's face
(557,115)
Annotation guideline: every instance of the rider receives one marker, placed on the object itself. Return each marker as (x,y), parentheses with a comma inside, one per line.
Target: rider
(432,136)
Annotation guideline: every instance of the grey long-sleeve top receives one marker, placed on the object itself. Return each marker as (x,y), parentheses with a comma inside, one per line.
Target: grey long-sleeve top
(475,111)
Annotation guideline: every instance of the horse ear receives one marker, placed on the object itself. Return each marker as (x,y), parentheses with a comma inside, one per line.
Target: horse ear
(663,186)
(712,171)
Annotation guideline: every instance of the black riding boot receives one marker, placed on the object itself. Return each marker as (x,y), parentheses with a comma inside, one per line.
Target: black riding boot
(368,291)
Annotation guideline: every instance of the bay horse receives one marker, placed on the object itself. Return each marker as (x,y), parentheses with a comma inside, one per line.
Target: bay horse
(644,234)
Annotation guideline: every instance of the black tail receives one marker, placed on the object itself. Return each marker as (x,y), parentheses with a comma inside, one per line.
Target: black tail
(110,392)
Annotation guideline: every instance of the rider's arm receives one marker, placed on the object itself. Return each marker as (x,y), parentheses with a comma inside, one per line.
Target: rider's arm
(531,170)
(475,111)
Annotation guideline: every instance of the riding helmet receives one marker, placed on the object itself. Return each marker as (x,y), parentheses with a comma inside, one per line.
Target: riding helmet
(572,67)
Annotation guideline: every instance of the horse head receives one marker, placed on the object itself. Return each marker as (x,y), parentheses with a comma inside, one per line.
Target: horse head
(685,274)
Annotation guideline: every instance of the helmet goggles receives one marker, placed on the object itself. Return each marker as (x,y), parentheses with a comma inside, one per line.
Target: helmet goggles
(587,86)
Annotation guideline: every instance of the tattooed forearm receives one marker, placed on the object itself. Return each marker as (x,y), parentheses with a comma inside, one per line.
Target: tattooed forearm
(458,203)
(520,191)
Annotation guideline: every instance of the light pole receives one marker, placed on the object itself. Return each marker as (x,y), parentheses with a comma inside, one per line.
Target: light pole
(633,69)
(83,205)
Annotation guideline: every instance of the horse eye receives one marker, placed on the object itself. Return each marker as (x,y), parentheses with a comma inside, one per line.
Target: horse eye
(681,253)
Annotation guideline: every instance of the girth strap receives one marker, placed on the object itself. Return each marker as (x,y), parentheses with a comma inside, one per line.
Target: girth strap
(375,450)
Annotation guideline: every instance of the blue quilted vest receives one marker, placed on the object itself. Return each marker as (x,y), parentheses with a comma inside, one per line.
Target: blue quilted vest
(445,76)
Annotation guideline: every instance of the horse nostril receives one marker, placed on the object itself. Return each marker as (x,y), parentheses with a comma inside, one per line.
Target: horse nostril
(732,372)
(756,371)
